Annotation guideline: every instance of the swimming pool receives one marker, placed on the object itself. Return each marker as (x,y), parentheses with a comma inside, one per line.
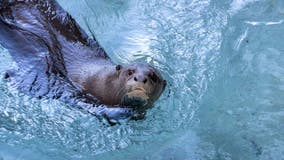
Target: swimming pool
(223,61)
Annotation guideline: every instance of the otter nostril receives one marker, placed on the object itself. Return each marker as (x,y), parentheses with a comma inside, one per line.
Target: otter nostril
(135,79)
(145,81)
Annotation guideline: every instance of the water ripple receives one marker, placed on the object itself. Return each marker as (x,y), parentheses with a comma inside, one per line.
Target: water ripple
(224,92)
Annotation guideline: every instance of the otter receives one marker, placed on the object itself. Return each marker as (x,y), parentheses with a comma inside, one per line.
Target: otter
(56,58)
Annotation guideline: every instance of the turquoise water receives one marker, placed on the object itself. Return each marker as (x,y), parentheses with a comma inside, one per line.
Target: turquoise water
(223,61)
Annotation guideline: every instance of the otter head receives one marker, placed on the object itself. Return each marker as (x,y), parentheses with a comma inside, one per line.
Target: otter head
(141,85)
(137,85)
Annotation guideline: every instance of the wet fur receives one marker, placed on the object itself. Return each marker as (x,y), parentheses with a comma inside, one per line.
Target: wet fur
(48,44)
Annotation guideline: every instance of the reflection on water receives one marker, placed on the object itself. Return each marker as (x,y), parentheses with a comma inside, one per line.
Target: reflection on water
(224,64)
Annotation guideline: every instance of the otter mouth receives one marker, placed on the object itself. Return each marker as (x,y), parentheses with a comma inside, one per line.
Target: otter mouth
(139,89)
(137,97)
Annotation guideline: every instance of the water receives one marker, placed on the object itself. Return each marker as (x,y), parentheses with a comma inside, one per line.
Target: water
(223,61)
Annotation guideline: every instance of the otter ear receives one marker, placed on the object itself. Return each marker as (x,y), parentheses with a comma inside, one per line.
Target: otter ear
(118,67)
(164,84)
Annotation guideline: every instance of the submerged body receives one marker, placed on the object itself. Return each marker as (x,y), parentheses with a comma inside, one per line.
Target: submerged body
(55,55)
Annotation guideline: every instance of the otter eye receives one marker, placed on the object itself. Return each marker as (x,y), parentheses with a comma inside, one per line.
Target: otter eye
(130,72)
(154,77)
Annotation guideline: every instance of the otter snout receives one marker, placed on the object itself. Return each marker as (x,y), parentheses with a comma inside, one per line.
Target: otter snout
(136,96)
(135,99)
(141,79)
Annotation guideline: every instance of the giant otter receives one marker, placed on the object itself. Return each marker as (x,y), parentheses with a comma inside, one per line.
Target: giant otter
(57,59)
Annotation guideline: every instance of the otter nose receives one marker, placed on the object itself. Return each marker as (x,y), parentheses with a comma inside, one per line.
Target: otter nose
(139,78)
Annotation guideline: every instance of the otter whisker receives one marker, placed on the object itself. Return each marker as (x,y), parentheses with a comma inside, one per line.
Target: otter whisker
(120,92)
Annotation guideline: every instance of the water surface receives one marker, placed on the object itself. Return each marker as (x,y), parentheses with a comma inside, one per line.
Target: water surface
(223,61)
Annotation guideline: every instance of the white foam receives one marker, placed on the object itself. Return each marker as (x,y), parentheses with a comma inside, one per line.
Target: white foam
(237,5)
(257,23)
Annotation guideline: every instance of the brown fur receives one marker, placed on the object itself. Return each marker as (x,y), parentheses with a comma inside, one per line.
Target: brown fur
(113,87)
